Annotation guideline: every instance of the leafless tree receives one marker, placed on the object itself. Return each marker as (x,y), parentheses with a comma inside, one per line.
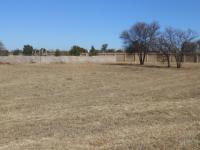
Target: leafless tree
(174,42)
(141,38)
(189,47)
(164,46)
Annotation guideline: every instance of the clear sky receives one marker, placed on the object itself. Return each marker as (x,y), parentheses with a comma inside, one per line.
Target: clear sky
(62,23)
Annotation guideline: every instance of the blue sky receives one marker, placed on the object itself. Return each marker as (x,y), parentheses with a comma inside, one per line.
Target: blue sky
(62,23)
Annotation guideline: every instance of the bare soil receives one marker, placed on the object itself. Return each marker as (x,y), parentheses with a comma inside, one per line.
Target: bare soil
(93,106)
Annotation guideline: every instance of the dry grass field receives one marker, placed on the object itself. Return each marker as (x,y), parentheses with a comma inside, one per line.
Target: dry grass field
(93,106)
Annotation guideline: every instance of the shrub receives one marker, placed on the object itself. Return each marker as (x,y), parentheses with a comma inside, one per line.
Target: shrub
(17,52)
(27,50)
(76,51)
(57,53)
(93,51)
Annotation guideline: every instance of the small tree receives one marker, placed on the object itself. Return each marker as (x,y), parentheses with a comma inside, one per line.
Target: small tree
(165,44)
(141,38)
(17,52)
(76,51)
(112,50)
(177,40)
(104,48)
(27,50)
(93,51)
(164,47)
(57,53)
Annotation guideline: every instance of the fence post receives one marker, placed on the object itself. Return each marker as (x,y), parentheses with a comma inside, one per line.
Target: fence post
(197,57)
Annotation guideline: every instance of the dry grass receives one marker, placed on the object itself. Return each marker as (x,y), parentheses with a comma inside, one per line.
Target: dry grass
(90,106)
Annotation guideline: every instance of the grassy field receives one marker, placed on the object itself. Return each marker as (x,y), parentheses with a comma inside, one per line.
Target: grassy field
(93,106)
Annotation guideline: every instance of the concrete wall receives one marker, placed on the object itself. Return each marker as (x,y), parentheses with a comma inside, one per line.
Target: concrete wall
(155,58)
(53,59)
(119,57)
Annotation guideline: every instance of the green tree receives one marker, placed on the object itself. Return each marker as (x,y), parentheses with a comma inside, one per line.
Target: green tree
(119,51)
(57,53)
(17,52)
(111,50)
(27,50)
(93,51)
(104,48)
(76,51)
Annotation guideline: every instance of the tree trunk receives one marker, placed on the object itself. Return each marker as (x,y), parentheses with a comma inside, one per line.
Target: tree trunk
(179,60)
(141,59)
(168,61)
(178,65)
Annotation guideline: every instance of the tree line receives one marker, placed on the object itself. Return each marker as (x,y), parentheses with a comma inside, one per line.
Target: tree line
(74,51)
(143,38)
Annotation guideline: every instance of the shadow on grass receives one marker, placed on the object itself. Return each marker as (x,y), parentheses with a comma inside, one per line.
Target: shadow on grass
(142,66)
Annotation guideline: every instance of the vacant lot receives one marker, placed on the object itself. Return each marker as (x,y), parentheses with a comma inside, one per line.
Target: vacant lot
(90,106)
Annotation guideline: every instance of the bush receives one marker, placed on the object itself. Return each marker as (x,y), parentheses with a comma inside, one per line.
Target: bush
(93,51)
(27,50)
(57,53)
(76,51)
(17,52)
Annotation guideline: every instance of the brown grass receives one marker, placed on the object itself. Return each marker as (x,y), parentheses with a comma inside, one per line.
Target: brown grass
(90,106)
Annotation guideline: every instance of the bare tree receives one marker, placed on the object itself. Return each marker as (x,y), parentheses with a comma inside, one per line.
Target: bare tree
(164,46)
(141,38)
(177,39)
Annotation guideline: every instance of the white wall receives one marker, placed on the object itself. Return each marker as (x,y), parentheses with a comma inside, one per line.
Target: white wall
(53,59)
